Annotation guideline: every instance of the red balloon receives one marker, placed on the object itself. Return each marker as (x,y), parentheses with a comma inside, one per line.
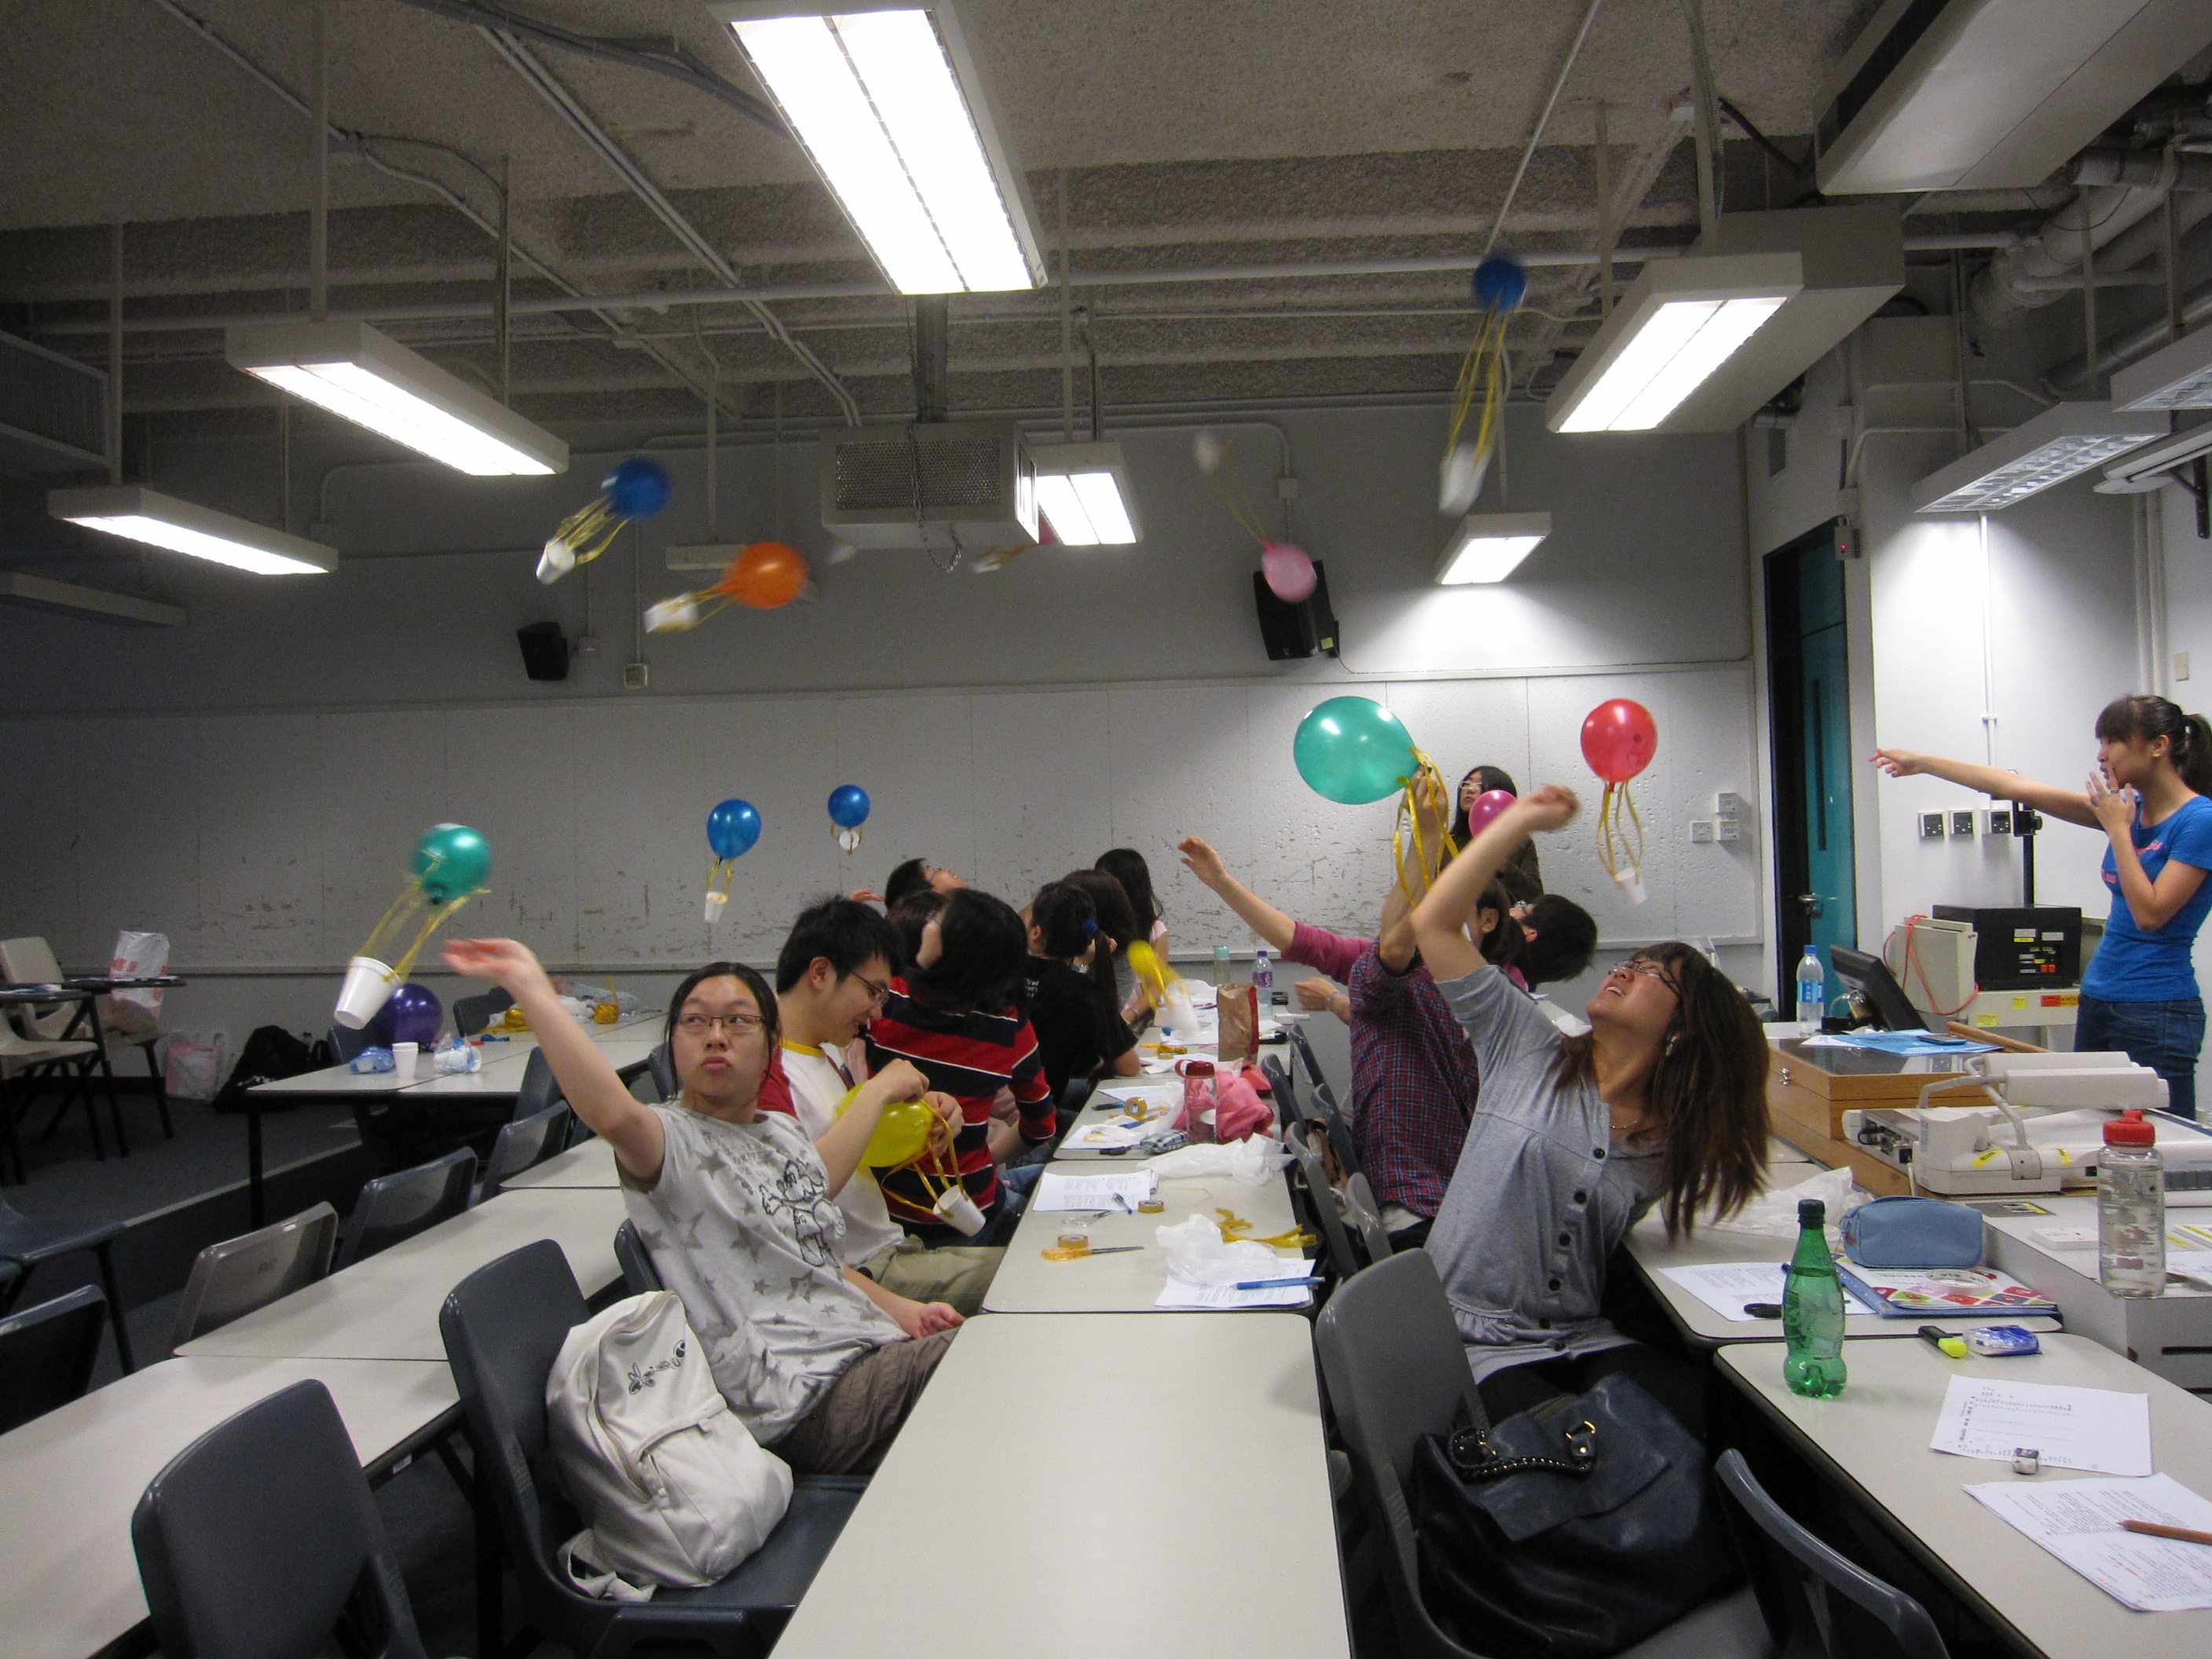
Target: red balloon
(1618,739)
(765,575)
(1486,806)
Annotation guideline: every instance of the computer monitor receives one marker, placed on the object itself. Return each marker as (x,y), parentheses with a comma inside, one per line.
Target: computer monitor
(1870,979)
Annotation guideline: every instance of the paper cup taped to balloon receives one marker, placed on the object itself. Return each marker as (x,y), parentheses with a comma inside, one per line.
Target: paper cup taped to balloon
(368,986)
(959,1212)
(673,616)
(555,562)
(1460,479)
(1631,883)
(714,903)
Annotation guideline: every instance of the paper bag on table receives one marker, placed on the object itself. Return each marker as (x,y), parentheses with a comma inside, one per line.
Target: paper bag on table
(1237,1023)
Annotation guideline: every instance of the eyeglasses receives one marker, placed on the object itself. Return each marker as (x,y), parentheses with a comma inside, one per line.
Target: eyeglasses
(735,1024)
(879,993)
(1650,967)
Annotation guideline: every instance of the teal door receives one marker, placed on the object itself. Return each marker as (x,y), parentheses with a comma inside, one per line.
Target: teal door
(1808,667)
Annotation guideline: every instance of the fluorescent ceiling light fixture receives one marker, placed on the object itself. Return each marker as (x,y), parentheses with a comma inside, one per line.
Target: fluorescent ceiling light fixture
(139,515)
(1678,323)
(1083,491)
(2147,469)
(2178,376)
(887,103)
(1489,545)
(2061,442)
(370,379)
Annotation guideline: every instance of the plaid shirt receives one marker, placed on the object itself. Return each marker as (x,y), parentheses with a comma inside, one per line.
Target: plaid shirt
(1413,1079)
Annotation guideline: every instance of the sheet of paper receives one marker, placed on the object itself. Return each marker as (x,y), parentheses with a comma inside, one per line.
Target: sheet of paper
(1113,1132)
(1150,1095)
(1176,1294)
(2099,1430)
(1114,1190)
(2195,1265)
(1726,1287)
(2077,1521)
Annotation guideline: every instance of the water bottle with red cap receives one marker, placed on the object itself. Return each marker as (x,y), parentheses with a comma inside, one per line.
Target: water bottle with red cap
(2131,1208)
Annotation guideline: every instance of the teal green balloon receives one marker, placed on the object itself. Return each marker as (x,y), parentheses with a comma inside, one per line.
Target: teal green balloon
(1353,749)
(451,862)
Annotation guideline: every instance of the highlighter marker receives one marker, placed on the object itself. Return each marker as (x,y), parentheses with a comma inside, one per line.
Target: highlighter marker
(1955,1346)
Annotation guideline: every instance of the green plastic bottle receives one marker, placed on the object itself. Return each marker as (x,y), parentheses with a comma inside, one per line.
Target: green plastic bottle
(1813,1311)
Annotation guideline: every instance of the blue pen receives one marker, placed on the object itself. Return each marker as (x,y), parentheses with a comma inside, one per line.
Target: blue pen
(1272,1284)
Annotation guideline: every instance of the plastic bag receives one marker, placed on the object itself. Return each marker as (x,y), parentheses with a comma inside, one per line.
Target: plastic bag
(1773,1213)
(1250,1163)
(373,1059)
(135,1013)
(191,1066)
(455,1055)
(1198,1254)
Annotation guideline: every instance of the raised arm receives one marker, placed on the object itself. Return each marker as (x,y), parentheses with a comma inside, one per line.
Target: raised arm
(1394,941)
(1262,918)
(1439,920)
(2068,804)
(594,1093)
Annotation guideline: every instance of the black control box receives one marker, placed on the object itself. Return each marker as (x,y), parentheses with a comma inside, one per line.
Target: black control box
(2023,950)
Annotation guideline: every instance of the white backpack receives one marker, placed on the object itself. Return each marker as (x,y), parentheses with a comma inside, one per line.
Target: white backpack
(675,1490)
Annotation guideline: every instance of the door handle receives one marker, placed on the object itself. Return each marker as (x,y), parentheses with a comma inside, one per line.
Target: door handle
(1810,903)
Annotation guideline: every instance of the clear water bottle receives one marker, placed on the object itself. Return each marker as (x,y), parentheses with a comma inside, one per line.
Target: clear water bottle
(1221,965)
(1813,1311)
(2131,1209)
(1812,988)
(1263,979)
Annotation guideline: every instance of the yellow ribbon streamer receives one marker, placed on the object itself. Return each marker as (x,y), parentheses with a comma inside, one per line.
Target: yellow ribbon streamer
(1430,858)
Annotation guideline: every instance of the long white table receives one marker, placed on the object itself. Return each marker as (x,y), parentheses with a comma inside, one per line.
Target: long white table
(1130,1281)
(386,1306)
(503,1075)
(68,1480)
(591,1164)
(1873,1438)
(1170,1496)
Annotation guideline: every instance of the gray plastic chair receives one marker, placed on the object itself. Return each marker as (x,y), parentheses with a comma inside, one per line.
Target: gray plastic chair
(1286,1092)
(348,1041)
(522,1143)
(1321,1201)
(1366,1218)
(394,1208)
(1395,1371)
(640,1276)
(1818,1604)
(48,1353)
(229,1280)
(26,1242)
(503,1326)
(1304,1049)
(474,1014)
(538,1091)
(260,1540)
(662,1070)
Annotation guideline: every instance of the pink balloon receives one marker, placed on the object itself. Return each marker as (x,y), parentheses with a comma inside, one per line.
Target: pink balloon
(1290,574)
(1486,806)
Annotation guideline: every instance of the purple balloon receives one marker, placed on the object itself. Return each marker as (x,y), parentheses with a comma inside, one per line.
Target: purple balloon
(1480,811)
(413,1015)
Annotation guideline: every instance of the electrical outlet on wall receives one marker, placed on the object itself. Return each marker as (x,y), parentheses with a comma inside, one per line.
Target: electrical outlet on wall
(2181,665)
(1931,826)
(2000,821)
(1701,831)
(1729,804)
(636,676)
(1962,823)
(1730,829)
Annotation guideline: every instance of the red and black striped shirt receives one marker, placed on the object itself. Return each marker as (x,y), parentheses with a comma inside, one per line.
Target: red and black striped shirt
(971,1057)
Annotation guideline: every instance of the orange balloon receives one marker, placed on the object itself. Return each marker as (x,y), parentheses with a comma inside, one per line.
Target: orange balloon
(765,575)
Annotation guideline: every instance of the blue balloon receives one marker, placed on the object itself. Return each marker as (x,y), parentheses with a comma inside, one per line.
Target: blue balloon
(733,828)
(637,488)
(1499,282)
(848,806)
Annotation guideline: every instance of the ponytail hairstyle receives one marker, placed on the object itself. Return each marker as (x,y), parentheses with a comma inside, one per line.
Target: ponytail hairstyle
(1504,942)
(1707,1092)
(2144,719)
(1064,914)
(1115,918)
(1127,865)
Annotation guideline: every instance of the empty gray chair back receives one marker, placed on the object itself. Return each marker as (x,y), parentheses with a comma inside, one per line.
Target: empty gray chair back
(1305,1055)
(538,1092)
(640,1276)
(473,1014)
(260,1540)
(1366,1218)
(1321,1201)
(346,1042)
(521,1144)
(229,1280)
(1818,1604)
(1395,1371)
(662,1070)
(1286,1092)
(48,1353)
(398,1207)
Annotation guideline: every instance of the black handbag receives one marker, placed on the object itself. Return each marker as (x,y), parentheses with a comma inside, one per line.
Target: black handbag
(1569,1531)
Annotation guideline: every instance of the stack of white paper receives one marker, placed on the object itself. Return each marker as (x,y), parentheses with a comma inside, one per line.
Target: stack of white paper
(1176,1294)
(2078,1521)
(1726,1287)
(1114,1189)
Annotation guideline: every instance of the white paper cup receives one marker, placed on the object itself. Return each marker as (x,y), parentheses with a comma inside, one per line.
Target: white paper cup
(959,1211)
(714,903)
(367,987)
(402,1057)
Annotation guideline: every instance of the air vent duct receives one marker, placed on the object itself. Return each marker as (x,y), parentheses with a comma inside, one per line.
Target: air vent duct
(964,486)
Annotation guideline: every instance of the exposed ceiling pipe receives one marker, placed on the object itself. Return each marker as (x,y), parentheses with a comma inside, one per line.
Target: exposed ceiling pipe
(2018,280)
(570,109)
(661,300)
(2137,343)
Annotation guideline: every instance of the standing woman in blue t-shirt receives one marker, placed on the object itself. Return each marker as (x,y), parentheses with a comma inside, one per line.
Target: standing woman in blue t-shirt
(2148,795)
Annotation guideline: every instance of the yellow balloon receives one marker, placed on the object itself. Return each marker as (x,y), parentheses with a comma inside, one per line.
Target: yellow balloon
(1154,974)
(900,1133)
